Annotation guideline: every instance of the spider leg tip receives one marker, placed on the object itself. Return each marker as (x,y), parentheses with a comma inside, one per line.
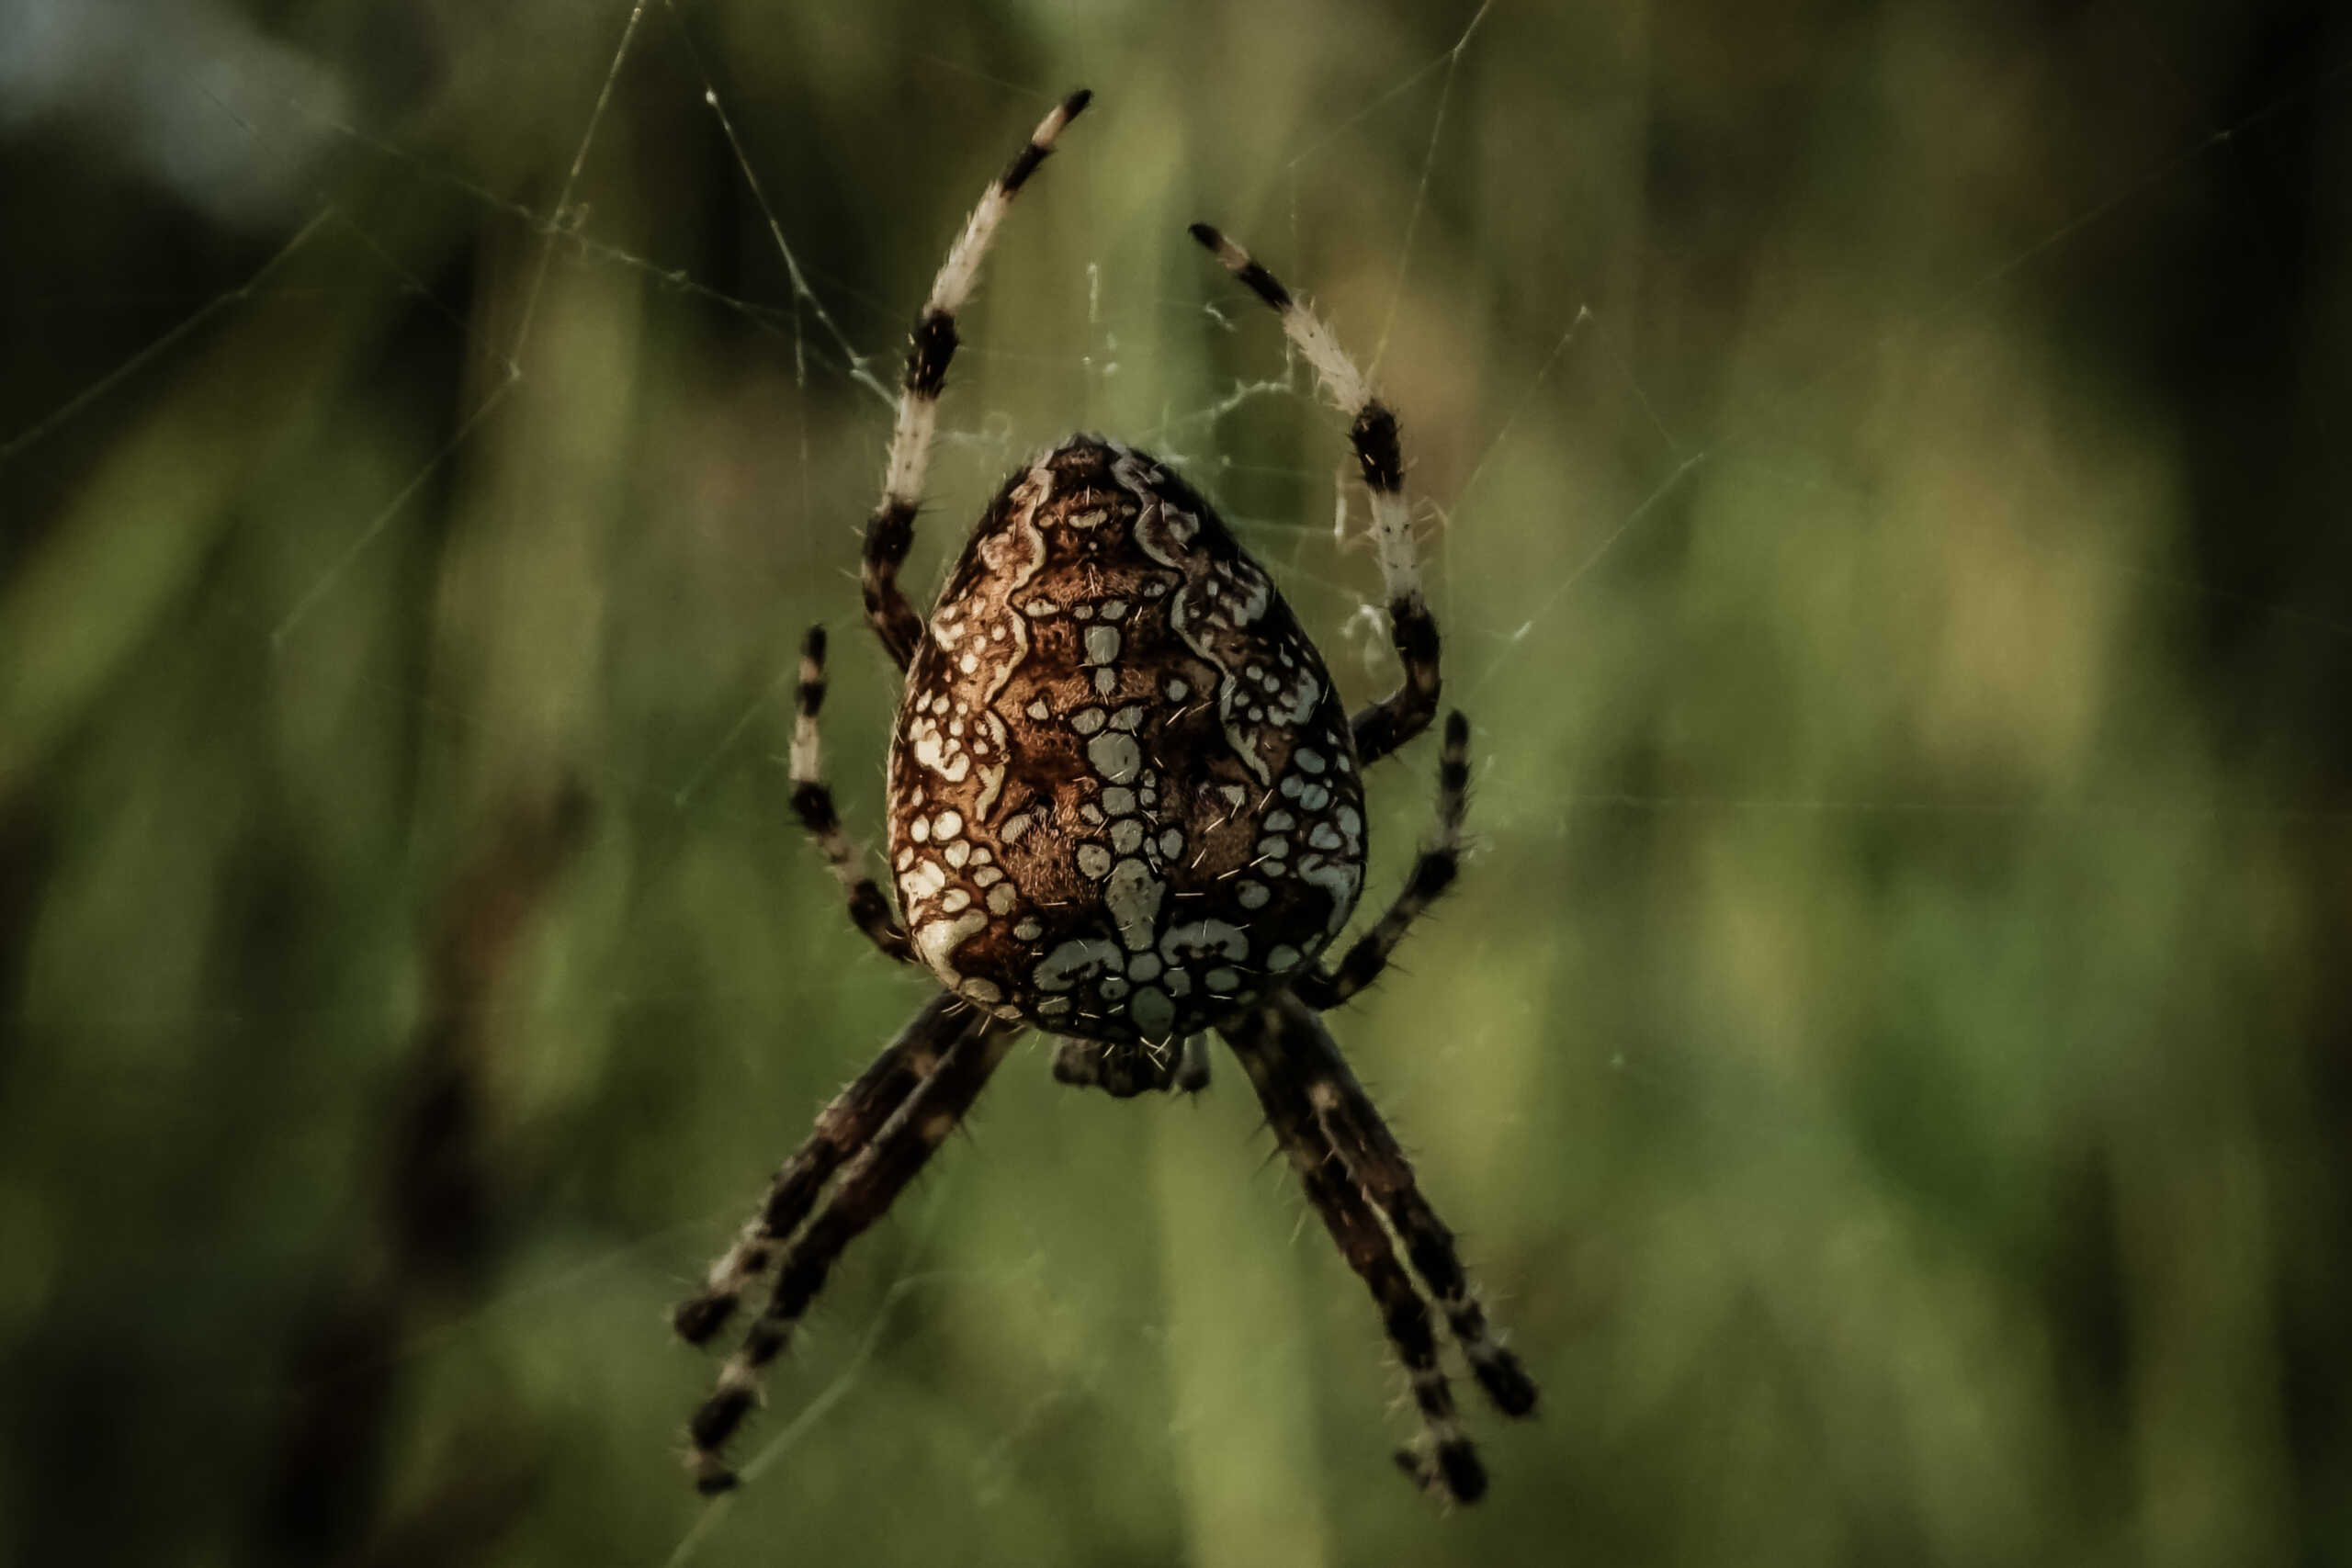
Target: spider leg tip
(1451,1474)
(698,1319)
(1507,1384)
(1075,105)
(1237,261)
(1465,1478)
(1211,238)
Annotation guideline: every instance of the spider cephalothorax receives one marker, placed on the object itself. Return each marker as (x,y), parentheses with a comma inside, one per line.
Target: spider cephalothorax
(1126,808)
(1123,798)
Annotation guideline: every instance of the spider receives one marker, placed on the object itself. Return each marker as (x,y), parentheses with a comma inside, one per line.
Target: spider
(1126,808)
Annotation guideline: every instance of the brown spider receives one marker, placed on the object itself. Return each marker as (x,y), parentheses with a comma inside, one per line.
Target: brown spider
(1126,807)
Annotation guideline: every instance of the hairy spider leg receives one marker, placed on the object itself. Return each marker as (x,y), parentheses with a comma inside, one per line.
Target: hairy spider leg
(1386,725)
(1354,1127)
(1445,1460)
(974,1044)
(812,802)
(891,532)
(1439,862)
(844,1128)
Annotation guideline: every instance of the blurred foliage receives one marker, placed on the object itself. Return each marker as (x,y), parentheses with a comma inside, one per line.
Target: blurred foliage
(1884,488)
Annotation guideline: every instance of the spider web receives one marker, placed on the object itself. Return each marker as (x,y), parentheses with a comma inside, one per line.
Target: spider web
(1579,415)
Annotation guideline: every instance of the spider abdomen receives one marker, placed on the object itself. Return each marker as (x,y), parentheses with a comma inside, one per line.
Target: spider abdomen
(1124,799)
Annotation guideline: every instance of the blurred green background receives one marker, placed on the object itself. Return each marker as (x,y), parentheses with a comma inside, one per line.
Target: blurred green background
(1882,473)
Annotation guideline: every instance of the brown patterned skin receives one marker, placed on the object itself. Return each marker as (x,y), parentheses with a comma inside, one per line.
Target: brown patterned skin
(1124,797)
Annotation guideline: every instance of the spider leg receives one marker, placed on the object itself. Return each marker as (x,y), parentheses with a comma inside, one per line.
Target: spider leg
(969,1045)
(843,1128)
(1385,725)
(812,802)
(1433,873)
(1354,1126)
(1448,1463)
(891,530)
